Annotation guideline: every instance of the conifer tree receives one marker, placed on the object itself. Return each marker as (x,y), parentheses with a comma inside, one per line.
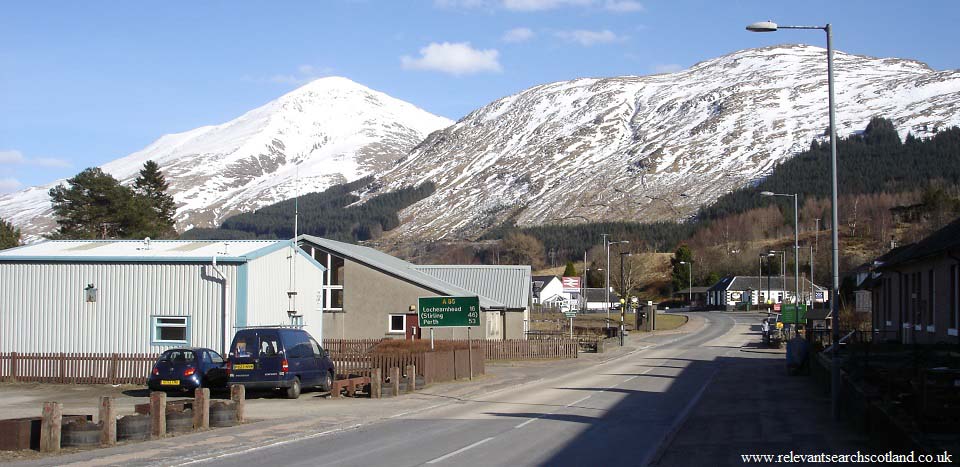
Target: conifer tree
(152,186)
(570,270)
(9,235)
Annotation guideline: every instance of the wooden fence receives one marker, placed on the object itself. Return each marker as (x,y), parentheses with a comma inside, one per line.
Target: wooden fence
(76,368)
(348,346)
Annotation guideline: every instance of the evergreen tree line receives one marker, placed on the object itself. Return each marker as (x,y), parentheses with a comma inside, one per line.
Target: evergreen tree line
(330,214)
(94,205)
(875,161)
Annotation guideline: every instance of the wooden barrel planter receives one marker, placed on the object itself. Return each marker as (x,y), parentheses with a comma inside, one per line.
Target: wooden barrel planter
(80,433)
(133,427)
(180,422)
(223,414)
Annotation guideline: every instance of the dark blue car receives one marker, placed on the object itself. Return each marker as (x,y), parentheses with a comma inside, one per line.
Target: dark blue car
(287,359)
(188,369)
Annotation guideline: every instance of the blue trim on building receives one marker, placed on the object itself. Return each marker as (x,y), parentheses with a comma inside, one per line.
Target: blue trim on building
(122,259)
(312,260)
(268,249)
(240,319)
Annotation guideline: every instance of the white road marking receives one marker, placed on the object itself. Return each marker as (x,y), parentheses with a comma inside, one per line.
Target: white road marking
(272,445)
(458,451)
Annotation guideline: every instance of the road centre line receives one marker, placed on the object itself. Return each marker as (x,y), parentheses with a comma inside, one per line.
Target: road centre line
(458,451)
(272,445)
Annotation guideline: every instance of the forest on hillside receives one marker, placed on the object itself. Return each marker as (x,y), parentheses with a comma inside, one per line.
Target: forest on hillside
(330,214)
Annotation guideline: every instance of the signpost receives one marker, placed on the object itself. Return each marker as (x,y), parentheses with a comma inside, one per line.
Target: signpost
(789,315)
(570,314)
(450,312)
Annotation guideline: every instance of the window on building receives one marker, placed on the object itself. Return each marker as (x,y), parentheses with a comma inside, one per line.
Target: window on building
(333,280)
(397,323)
(170,329)
(954,289)
(931,300)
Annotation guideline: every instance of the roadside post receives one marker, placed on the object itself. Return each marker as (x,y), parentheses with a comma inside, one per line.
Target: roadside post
(450,312)
(50,426)
(108,422)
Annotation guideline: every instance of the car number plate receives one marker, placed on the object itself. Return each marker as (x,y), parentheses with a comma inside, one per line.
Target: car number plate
(170,382)
(243,366)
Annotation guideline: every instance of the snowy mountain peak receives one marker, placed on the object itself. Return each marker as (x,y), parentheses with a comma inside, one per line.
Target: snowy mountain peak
(329,131)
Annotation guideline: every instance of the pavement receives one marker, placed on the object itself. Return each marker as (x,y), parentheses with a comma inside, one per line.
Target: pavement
(754,407)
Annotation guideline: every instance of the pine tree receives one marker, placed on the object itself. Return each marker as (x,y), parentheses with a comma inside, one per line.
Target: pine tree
(681,272)
(90,207)
(570,270)
(152,186)
(9,235)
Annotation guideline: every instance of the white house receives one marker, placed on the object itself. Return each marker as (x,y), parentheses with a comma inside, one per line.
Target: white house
(731,289)
(133,296)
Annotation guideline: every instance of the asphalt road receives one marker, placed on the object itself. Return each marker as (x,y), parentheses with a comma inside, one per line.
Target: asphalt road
(615,413)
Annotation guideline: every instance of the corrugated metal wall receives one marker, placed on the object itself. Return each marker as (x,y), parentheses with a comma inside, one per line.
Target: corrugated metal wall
(269,280)
(43,309)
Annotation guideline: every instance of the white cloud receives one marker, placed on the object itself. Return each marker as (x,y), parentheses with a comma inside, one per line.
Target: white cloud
(518,35)
(623,6)
(14,157)
(9,185)
(454,58)
(667,68)
(588,38)
(11,157)
(540,5)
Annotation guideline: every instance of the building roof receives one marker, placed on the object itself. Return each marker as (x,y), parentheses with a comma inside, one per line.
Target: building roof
(544,279)
(143,250)
(940,241)
(398,268)
(752,283)
(509,285)
(692,290)
(599,294)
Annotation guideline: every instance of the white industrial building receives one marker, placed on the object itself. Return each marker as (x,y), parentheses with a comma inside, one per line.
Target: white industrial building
(142,296)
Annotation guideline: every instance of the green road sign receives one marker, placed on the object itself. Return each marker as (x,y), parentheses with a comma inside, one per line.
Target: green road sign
(570,314)
(789,313)
(448,312)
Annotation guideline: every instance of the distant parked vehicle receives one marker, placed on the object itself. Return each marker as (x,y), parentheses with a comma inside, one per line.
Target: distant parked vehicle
(186,369)
(285,359)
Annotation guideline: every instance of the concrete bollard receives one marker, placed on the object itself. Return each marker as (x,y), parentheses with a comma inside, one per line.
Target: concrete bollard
(411,378)
(52,421)
(158,414)
(376,384)
(238,394)
(108,422)
(395,380)
(201,408)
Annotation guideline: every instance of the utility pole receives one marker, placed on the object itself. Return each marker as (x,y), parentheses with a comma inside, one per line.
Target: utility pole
(606,273)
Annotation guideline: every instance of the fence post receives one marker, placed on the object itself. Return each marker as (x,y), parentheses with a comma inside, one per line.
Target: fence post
(201,408)
(50,427)
(114,362)
(376,384)
(238,394)
(63,368)
(14,363)
(158,414)
(108,422)
(411,378)
(395,380)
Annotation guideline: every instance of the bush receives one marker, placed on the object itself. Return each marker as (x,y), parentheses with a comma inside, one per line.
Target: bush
(416,346)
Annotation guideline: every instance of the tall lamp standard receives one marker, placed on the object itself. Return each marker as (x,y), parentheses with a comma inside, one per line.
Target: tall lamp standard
(769,26)
(796,252)
(689,281)
(606,244)
(783,270)
(623,297)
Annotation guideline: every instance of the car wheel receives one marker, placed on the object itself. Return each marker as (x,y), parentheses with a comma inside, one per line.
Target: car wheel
(293,391)
(327,383)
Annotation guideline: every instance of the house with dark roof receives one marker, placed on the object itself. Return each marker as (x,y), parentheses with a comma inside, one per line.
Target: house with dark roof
(916,290)
(370,294)
(735,290)
(546,288)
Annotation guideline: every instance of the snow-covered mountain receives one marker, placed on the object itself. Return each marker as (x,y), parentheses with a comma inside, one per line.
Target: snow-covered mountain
(329,131)
(655,147)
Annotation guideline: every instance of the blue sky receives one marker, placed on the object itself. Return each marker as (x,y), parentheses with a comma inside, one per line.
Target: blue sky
(83,83)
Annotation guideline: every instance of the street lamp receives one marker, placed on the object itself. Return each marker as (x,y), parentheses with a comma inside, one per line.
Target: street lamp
(796,249)
(783,269)
(689,282)
(769,26)
(606,245)
(623,296)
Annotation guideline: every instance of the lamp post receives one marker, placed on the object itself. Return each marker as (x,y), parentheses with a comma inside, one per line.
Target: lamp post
(606,244)
(689,282)
(796,254)
(623,297)
(768,255)
(783,266)
(769,26)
